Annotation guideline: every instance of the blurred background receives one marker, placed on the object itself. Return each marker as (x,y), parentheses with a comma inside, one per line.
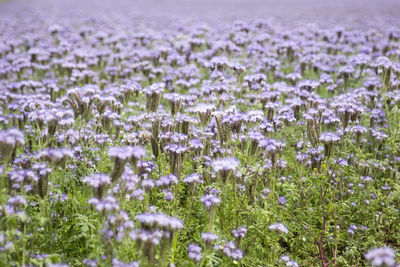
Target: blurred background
(323,12)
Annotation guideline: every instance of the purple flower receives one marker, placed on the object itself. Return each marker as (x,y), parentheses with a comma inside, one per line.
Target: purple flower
(159,220)
(9,140)
(117,263)
(108,204)
(99,182)
(204,112)
(225,166)
(166,181)
(90,262)
(308,85)
(288,261)
(153,93)
(279,227)
(148,237)
(383,256)
(147,184)
(282,200)
(194,252)
(265,193)
(193,179)
(121,155)
(230,250)
(240,232)
(329,137)
(97,179)
(168,196)
(210,201)
(209,238)
(352,229)
(56,156)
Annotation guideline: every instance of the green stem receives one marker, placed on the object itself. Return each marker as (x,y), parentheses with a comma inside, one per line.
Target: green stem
(174,245)
(23,246)
(237,210)
(81,141)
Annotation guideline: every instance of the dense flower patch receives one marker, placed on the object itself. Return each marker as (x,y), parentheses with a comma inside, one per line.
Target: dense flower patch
(243,144)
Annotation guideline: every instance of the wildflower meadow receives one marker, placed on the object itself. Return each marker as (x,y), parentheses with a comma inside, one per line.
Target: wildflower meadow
(132,140)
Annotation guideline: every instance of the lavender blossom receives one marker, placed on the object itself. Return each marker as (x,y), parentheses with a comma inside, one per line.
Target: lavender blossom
(153,94)
(230,250)
(210,201)
(279,227)
(209,238)
(194,252)
(329,139)
(160,220)
(99,182)
(9,140)
(56,156)
(383,256)
(107,204)
(225,166)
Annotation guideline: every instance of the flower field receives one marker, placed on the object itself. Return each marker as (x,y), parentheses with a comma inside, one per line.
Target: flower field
(129,139)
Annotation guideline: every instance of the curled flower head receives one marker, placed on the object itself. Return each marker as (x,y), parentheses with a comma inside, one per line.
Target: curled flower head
(209,238)
(193,179)
(225,166)
(329,139)
(9,140)
(99,182)
(167,181)
(121,155)
(204,112)
(153,94)
(210,201)
(152,220)
(108,204)
(56,156)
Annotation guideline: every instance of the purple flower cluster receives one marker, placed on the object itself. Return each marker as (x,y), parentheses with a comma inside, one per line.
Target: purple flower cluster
(9,140)
(225,166)
(230,250)
(383,256)
(288,262)
(240,124)
(279,227)
(210,201)
(122,155)
(56,156)
(99,182)
(194,252)
(159,220)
